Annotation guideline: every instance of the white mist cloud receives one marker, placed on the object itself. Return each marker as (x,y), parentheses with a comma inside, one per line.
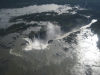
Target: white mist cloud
(34,44)
(53,31)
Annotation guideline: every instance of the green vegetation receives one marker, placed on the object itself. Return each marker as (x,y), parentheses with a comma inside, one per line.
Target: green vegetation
(15,28)
(95,27)
(35,17)
(66,21)
(70,38)
(21,27)
(40,34)
(92,13)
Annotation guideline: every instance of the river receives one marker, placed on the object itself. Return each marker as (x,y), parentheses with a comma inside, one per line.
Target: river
(72,53)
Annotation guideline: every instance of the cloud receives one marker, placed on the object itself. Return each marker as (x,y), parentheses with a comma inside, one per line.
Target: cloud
(53,31)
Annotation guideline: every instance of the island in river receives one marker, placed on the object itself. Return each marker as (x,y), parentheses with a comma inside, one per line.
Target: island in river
(48,42)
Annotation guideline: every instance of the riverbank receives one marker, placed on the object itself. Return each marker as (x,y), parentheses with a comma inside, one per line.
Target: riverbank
(96,29)
(23,3)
